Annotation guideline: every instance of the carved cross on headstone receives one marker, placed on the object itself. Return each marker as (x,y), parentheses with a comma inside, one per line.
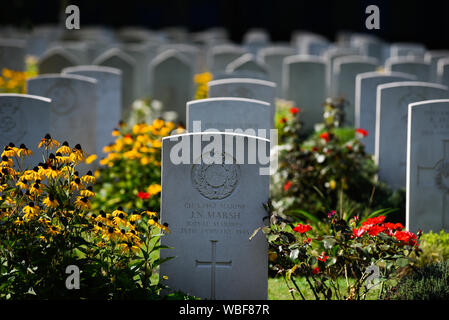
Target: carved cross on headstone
(438,175)
(213,264)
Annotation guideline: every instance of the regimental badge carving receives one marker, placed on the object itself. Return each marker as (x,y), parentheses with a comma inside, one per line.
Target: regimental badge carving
(12,123)
(63,99)
(442,176)
(216,181)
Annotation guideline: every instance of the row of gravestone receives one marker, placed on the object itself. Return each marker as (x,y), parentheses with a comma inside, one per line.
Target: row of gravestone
(81,106)
(147,63)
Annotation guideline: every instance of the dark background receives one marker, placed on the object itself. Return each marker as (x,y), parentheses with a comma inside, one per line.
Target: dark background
(417,21)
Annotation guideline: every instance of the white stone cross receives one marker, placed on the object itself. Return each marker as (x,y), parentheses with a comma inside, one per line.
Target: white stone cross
(438,175)
(213,264)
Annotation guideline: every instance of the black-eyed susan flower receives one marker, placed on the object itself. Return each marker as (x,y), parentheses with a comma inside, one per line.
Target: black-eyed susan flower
(88,192)
(129,247)
(54,230)
(64,149)
(82,203)
(50,202)
(23,150)
(19,221)
(77,155)
(48,142)
(30,211)
(76,184)
(52,172)
(91,158)
(36,188)
(22,183)
(88,178)
(110,233)
(8,152)
(135,217)
(150,213)
(6,162)
(119,211)
(154,189)
(115,132)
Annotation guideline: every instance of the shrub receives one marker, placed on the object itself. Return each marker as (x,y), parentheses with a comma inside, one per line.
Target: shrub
(427,283)
(130,174)
(434,248)
(349,250)
(47,224)
(329,169)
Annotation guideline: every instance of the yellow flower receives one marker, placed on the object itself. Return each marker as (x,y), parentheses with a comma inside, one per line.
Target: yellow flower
(119,211)
(6,162)
(7,73)
(37,188)
(88,178)
(115,133)
(110,233)
(91,158)
(30,211)
(48,142)
(154,189)
(22,183)
(76,184)
(8,151)
(24,150)
(88,192)
(332,184)
(135,217)
(64,149)
(149,213)
(52,172)
(54,230)
(82,203)
(19,221)
(50,202)
(129,247)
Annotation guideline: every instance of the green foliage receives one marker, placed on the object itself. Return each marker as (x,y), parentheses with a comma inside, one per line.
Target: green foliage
(434,248)
(430,282)
(341,249)
(328,169)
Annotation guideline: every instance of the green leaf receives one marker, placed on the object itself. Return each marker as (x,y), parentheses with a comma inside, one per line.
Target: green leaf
(402,262)
(329,243)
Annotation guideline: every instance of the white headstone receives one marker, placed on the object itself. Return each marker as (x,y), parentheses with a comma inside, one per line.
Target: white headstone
(73,113)
(116,58)
(221,55)
(244,88)
(212,209)
(407,49)
(411,65)
(305,83)
(273,58)
(247,66)
(365,101)
(330,55)
(428,166)
(56,59)
(345,71)
(109,100)
(443,71)
(432,57)
(391,125)
(224,114)
(172,82)
(24,119)
(12,54)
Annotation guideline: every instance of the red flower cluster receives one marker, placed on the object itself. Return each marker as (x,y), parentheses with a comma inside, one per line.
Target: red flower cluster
(294,110)
(143,195)
(302,228)
(325,136)
(374,226)
(287,185)
(361,132)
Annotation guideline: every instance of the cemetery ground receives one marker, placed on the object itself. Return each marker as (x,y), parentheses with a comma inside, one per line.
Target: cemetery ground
(333,231)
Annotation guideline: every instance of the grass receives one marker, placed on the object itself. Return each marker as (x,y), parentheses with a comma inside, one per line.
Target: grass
(278,290)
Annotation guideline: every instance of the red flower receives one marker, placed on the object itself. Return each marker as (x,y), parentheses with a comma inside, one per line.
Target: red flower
(358,232)
(325,136)
(331,214)
(349,147)
(375,220)
(323,257)
(375,230)
(393,226)
(301,228)
(308,240)
(316,270)
(143,195)
(287,185)
(361,132)
(406,237)
(294,110)
(283,120)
